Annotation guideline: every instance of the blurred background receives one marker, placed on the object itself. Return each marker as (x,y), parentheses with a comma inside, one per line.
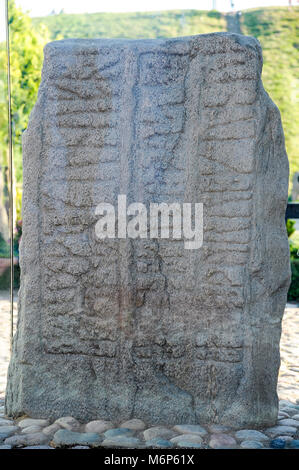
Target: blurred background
(33,23)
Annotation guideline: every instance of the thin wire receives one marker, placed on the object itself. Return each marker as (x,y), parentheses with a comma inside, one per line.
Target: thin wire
(10,165)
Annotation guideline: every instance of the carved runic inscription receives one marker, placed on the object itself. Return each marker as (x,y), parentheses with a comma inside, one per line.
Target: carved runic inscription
(144,327)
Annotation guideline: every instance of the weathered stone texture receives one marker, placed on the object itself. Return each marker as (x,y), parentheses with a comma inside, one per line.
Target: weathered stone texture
(146,329)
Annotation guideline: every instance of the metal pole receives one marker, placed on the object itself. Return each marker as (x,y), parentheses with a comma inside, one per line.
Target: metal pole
(10,166)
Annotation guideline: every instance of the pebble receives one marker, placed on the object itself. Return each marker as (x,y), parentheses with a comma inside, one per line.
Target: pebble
(25,423)
(7,431)
(99,426)
(285,438)
(251,445)
(38,447)
(289,422)
(121,441)
(5,422)
(4,447)
(134,424)
(194,438)
(188,444)
(250,435)
(277,444)
(296,417)
(222,441)
(294,444)
(51,430)
(284,430)
(31,429)
(158,431)
(190,429)
(290,411)
(22,440)
(159,443)
(282,415)
(66,438)
(69,423)
(118,432)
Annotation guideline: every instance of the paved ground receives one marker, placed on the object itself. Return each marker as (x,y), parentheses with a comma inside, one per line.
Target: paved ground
(288,384)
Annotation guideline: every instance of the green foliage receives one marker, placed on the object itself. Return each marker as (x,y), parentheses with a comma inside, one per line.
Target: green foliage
(133,25)
(293,293)
(26,62)
(290,227)
(277,29)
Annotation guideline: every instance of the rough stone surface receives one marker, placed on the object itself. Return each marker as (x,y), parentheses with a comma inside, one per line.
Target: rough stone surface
(144,328)
(66,438)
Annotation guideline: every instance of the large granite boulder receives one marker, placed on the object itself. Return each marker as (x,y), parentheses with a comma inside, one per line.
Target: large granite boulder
(145,328)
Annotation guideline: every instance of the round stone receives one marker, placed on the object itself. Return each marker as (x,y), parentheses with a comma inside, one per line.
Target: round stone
(190,429)
(7,431)
(159,443)
(81,447)
(195,438)
(6,422)
(222,441)
(283,430)
(69,423)
(31,430)
(250,435)
(158,431)
(282,415)
(287,439)
(289,422)
(296,416)
(251,445)
(294,444)
(277,444)
(100,426)
(188,444)
(51,430)
(38,447)
(66,438)
(121,441)
(25,423)
(134,424)
(118,432)
(22,440)
(290,411)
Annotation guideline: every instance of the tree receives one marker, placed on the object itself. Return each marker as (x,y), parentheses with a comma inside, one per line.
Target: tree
(26,50)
